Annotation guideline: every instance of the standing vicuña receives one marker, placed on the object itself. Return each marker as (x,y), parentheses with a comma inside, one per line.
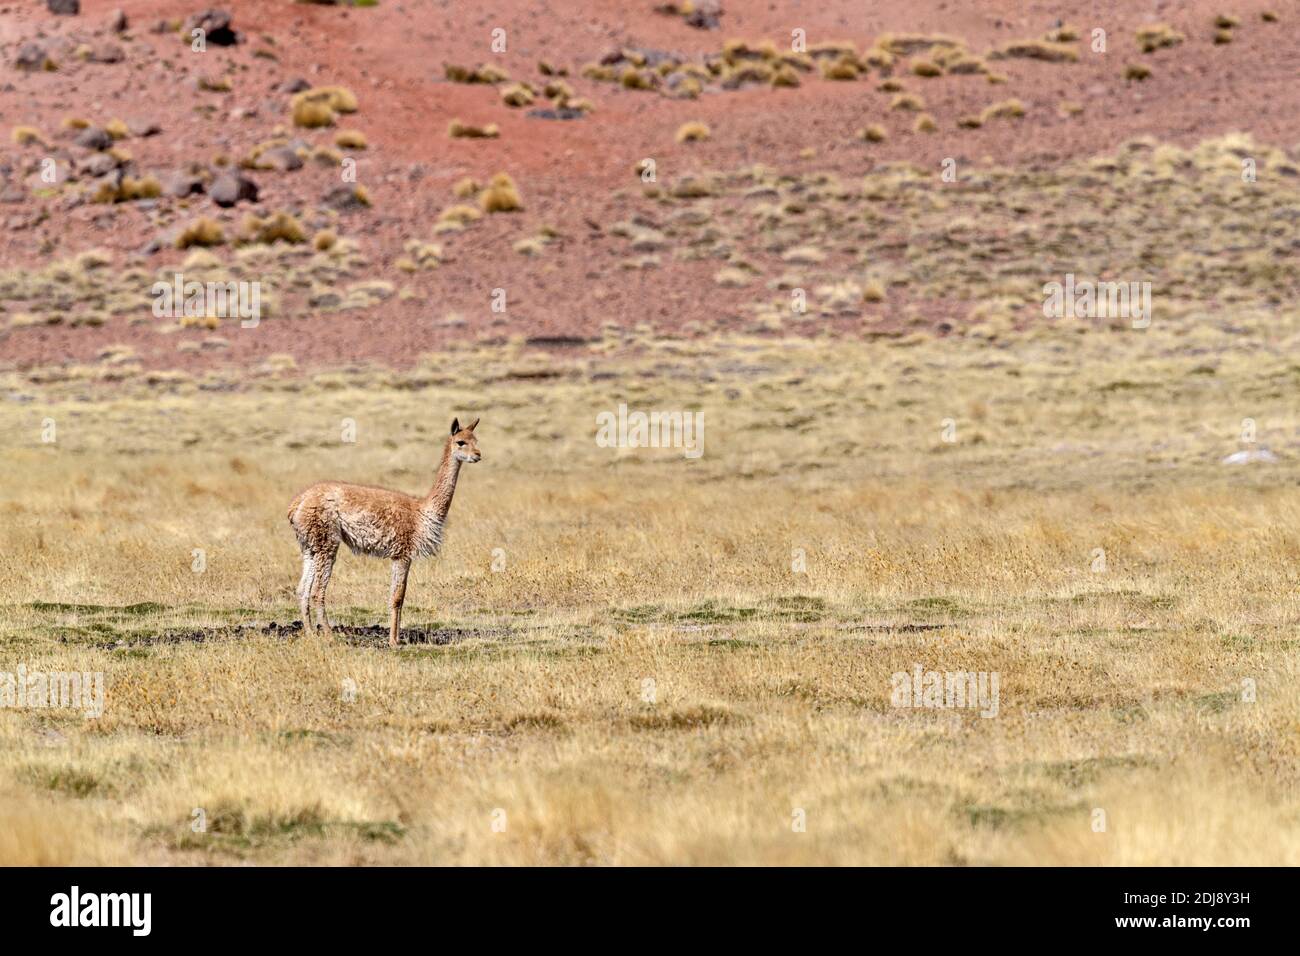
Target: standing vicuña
(377,522)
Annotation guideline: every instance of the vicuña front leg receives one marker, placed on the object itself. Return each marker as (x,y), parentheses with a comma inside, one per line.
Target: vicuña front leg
(400,570)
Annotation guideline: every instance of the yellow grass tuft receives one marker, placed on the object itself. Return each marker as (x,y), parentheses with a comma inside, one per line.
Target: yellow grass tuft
(312,114)
(278,227)
(350,139)
(27,136)
(201,232)
(501,195)
(517,95)
(459,130)
(692,132)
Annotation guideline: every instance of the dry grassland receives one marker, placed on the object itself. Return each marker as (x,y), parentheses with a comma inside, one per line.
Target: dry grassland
(516,727)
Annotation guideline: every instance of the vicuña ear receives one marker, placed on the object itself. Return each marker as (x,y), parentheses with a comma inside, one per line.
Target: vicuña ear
(473,424)
(455,425)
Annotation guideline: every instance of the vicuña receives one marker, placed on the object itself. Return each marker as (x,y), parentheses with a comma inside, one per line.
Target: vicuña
(377,522)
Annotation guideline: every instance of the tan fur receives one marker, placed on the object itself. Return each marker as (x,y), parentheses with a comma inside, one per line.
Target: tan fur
(376,522)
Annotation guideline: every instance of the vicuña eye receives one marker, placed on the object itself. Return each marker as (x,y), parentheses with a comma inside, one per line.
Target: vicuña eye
(460,443)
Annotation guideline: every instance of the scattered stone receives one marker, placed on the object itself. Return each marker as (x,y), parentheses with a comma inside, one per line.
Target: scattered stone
(143,127)
(94,137)
(215,25)
(706,15)
(1250,456)
(66,8)
(117,21)
(294,86)
(281,159)
(562,113)
(31,56)
(229,188)
(97,164)
(180,185)
(346,197)
(107,53)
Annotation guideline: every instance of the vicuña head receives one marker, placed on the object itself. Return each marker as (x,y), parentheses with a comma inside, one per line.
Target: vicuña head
(376,522)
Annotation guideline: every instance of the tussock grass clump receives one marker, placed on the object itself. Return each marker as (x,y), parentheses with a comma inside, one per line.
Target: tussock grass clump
(785,76)
(1136,72)
(635,79)
(460,214)
(517,95)
(1157,36)
(1065,33)
(338,99)
(970,122)
(117,129)
(692,132)
(501,195)
(874,133)
(925,124)
(74,122)
(1226,21)
(908,102)
(324,240)
(1222,37)
(484,73)
(873,290)
(350,139)
(1007,109)
(1043,50)
(1268,16)
(202,232)
(144,187)
(325,156)
(845,68)
(459,130)
(927,68)
(27,136)
(312,114)
(278,227)
(905,44)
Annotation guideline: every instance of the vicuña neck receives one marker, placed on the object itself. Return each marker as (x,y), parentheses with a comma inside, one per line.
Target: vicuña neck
(444,485)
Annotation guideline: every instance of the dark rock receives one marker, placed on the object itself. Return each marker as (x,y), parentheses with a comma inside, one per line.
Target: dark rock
(561,113)
(282,159)
(215,25)
(117,21)
(294,86)
(92,137)
(67,8)
(230,188)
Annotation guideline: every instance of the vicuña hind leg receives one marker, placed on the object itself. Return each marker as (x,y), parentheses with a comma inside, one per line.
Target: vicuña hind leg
(398,596)
(324,567)
(304,591)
